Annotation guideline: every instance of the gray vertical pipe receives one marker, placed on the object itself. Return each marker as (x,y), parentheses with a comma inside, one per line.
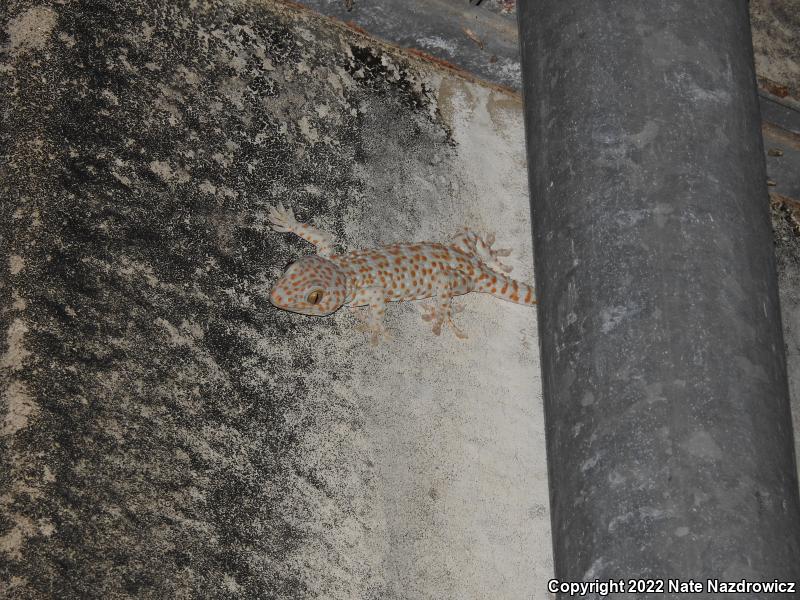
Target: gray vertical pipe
(668,428)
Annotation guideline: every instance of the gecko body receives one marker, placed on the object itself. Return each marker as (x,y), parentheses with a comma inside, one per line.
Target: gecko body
(320,284)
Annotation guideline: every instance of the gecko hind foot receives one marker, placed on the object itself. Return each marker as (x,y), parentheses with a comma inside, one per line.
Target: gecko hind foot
(481,247)
(494,253)
(435,314)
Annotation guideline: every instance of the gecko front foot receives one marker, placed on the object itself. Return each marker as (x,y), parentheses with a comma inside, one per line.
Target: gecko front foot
(376,331)
(439,317)
(282,219)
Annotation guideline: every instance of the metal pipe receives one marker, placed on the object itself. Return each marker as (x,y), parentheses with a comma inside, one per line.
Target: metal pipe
(669,435)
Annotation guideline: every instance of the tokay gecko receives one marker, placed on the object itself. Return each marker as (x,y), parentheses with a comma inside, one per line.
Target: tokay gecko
(320,284)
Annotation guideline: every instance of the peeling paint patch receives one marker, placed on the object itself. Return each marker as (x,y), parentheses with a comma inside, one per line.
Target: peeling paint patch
(16,354)
(308,130)
(126,181)
(167,173)
(15,264)
(12,542)
(30,30)
(20,407)
(67,39)
(17,301)
(207,187)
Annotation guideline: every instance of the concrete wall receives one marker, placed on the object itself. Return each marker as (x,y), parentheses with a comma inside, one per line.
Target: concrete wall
(165,431)
(776,43)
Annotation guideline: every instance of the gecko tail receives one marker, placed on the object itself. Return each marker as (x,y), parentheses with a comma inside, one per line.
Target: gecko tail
(504,287)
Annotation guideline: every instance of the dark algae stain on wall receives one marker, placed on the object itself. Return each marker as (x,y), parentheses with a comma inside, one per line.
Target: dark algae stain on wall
(155,410)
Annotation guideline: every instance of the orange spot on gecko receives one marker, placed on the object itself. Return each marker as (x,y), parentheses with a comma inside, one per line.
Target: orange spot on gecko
(528,296)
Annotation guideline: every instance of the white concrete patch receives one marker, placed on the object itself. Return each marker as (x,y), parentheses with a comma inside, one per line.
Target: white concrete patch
(456,427)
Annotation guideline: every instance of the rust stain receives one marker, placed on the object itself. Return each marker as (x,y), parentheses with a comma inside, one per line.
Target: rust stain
(775,133)
(433,59)
(461,73)
(352,25)
(473,36)
(780,199)
(773,87)
(405,52)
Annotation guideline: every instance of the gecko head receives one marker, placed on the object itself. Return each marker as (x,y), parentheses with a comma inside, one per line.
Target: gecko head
(312,286)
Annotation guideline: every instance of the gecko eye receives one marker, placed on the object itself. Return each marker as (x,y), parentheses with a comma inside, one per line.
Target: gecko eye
(314,297)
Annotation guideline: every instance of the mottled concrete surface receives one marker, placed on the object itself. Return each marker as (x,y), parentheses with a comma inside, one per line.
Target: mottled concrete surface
(776,45)
(776,42)
(480,39)
(166,433)
(786,224)
(490,49)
